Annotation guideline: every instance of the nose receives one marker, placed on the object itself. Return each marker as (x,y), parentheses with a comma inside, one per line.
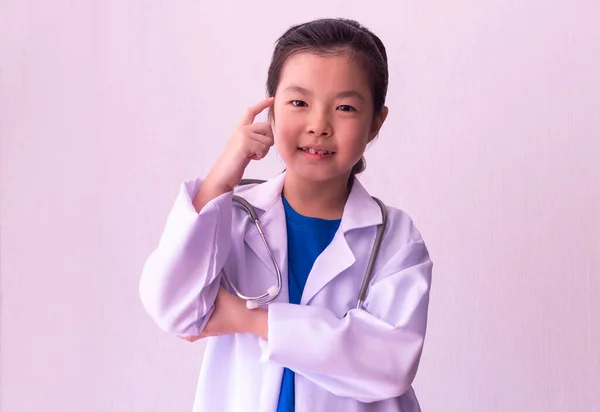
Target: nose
(318,125)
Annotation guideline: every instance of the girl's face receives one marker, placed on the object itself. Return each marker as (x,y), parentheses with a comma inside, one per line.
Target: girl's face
(323,116)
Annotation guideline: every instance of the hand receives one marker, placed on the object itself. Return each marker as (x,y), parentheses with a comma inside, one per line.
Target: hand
(232,316)
(249,141)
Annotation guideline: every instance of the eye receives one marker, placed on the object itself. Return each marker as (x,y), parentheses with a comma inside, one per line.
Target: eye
(298,103)
(346,108)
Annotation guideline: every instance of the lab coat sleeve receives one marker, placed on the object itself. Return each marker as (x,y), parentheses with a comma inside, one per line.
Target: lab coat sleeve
(370,354)
(180,278)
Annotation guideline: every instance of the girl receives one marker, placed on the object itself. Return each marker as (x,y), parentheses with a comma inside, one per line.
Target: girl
(311,349)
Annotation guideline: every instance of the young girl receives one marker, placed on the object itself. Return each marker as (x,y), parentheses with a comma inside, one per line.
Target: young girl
(311,349)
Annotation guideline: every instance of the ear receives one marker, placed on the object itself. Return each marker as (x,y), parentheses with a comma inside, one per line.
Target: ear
(377,123)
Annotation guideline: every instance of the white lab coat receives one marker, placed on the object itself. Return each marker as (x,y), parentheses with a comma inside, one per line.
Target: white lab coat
(345,359)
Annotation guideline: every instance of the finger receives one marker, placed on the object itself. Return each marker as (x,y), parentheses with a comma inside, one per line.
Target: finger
(264,139)
(262,128)
(257,150)
(254,110)
(263,142)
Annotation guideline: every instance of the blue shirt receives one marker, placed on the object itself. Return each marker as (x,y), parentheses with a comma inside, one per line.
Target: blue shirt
(307,237)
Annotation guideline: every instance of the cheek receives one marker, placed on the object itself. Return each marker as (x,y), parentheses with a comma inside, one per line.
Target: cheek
(355,133)
(287,131)
(283,139)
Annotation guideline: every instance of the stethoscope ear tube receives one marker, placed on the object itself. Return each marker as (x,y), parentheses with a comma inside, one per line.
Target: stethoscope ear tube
(362,295)
(253,302)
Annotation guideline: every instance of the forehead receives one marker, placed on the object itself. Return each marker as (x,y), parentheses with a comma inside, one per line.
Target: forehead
(325,73)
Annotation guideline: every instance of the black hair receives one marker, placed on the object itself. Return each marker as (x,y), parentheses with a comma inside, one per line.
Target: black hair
(335,36)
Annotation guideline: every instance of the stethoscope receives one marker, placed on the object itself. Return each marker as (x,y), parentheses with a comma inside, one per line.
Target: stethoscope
(252,302)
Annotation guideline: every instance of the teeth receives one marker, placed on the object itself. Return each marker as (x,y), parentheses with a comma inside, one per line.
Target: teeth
(313,151)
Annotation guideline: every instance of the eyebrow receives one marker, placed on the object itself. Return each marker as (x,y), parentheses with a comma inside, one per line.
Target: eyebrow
(342,94)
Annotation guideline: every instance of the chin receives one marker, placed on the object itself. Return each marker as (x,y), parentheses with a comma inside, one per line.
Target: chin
(322,175)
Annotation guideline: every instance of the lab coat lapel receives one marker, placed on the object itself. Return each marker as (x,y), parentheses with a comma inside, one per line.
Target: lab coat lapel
(266,199)
(336,258)
(273,224)
(360,211)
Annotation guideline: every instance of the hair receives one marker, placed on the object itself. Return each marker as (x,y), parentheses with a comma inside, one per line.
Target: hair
(335,37)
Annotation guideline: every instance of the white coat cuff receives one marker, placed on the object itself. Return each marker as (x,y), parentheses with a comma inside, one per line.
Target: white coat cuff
(283,339)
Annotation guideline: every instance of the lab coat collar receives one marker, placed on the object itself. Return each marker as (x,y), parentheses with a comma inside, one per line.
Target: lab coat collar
(360,210)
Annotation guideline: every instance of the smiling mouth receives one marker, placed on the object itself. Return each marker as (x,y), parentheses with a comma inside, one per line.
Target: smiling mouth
(313,151)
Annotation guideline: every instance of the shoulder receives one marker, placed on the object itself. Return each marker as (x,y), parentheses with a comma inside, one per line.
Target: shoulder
(402,244)
(401,226)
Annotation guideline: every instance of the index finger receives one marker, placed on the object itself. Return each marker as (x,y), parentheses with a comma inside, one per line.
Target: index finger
(255,110)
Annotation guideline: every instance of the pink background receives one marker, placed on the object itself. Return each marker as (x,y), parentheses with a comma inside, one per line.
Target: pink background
(492,145)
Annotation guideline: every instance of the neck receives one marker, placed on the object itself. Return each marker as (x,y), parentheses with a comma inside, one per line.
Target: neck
(324,199)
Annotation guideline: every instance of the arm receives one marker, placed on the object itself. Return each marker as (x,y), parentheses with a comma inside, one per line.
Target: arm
(180,279)
(368,355)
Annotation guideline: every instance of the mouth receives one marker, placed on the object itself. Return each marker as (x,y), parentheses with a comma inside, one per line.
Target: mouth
(310,150)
